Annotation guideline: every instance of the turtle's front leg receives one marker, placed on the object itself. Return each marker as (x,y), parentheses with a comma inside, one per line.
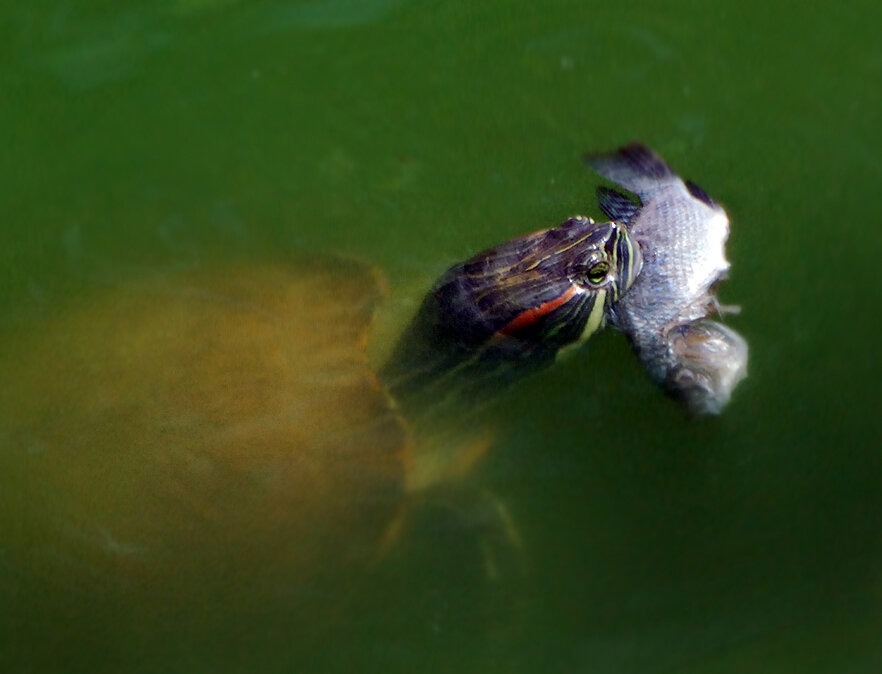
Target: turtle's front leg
(442,480)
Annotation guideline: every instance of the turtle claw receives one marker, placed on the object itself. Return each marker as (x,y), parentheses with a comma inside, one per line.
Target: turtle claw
(501,540)
(489,522)
(443,495)
(474,512)
(392,535)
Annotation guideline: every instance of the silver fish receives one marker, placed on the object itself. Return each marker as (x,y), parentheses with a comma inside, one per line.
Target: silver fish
(682,233)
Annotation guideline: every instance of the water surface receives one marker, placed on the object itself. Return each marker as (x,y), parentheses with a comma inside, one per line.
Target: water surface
(147,140)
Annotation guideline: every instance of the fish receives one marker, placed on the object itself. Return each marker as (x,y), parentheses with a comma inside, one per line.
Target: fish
(666,314)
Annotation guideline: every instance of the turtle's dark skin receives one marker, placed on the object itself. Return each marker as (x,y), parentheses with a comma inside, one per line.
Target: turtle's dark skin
(510,310)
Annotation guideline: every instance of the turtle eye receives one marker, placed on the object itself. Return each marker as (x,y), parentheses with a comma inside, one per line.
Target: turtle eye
(597,273)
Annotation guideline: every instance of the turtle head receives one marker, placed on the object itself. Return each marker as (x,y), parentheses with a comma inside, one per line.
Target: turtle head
(537,293)
(512,308)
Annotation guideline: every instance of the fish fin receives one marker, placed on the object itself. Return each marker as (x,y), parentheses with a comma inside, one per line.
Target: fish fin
(697,192)
(634,167)
(720,309)
(616,206)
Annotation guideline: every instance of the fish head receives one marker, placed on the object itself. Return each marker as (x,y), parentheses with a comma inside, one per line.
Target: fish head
(710,359)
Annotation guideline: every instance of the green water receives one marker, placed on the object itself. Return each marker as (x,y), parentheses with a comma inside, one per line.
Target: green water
(154,137)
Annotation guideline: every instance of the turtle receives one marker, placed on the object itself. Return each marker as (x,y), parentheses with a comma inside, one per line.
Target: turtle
(221,431)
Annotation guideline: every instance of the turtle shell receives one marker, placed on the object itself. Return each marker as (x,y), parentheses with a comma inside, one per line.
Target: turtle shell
(213,433)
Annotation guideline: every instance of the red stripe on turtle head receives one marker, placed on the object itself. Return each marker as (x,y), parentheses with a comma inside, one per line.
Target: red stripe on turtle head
(530,316)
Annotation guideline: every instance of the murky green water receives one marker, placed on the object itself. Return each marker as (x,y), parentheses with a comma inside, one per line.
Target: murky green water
(148,140)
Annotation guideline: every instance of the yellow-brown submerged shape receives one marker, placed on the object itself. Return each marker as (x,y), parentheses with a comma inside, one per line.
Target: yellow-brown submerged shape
(214,432)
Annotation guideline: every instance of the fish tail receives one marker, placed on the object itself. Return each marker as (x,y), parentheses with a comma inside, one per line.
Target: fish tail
(634,167)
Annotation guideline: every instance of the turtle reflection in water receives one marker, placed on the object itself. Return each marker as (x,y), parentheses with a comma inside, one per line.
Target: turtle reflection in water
(222,431)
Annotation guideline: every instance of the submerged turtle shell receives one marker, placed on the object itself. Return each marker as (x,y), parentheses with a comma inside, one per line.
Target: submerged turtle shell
(211,432)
